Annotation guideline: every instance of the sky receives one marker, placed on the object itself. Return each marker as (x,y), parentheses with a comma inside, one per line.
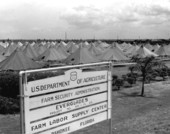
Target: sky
(84,19)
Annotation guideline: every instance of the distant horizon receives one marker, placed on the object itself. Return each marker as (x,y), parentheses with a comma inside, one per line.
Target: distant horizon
(85,39)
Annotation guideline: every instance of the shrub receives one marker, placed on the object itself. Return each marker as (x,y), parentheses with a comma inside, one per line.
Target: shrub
(119,83)
(114,78)
(126,84)
(42,75)
(124,77)
(131,80)
(162,72)
(9,105)
(9,84)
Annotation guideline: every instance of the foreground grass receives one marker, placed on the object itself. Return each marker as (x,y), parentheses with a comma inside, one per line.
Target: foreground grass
(131,114)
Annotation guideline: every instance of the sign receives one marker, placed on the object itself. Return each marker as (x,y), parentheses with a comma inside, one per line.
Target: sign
(57,104)
(66,106)
(58,83)
(79,124)
(44,100)
(67,117)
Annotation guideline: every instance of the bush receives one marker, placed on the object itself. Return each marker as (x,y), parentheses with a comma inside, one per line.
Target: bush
(42,75)
(9,105)
(126,84)
(131,80)
(124,77)
(114,78)
(9,84)
(119,83)
(162,72)
(135,75)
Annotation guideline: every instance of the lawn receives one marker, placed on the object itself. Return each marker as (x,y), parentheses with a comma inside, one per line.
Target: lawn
(131,113)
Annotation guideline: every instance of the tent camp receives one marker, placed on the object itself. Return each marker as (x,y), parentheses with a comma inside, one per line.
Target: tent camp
(62,49)
(2,58)
(51,54)
(72,47)
(30,51)
(132,50)
(18,61)
(156,47)
(10,49)
(39,48)
(144,52)
(149,46)
(114,54)
(2,49)
(161,51)
(80,56)
(95,50)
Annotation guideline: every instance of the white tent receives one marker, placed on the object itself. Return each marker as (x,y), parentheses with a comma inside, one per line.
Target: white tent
(161,51)
(80,56)
(144,52)
(113,53)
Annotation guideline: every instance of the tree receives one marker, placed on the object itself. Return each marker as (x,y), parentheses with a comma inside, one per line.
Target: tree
(146,66)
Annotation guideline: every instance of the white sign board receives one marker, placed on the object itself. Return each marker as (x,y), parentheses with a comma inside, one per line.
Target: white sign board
(49,99)
(66,106)
(79,124)
(72,78)
(66,103)
(67,117)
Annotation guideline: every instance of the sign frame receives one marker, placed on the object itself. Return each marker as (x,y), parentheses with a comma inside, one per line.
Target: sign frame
(24,97)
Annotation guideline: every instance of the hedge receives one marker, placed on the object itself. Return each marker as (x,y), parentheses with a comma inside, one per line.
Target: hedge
(9,105)
(9,84)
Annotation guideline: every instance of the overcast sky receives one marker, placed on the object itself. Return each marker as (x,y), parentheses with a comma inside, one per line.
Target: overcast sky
(84,19)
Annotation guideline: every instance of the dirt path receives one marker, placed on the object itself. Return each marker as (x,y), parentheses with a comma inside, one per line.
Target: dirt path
(132,114)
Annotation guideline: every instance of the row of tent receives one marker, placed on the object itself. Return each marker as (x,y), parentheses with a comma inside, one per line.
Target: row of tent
(23,56)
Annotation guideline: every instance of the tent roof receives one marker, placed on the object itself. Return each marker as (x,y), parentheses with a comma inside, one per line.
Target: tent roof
(18,61)
(72,48)
(2,49)
(2,58)
(113,53)
(144,52)
(95,50)
(132,50)
(30,51)
(51,54)
(156,47)
(10,49)
(40,48)
(61,49)
(161,51)
(149,46)
(81,55)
